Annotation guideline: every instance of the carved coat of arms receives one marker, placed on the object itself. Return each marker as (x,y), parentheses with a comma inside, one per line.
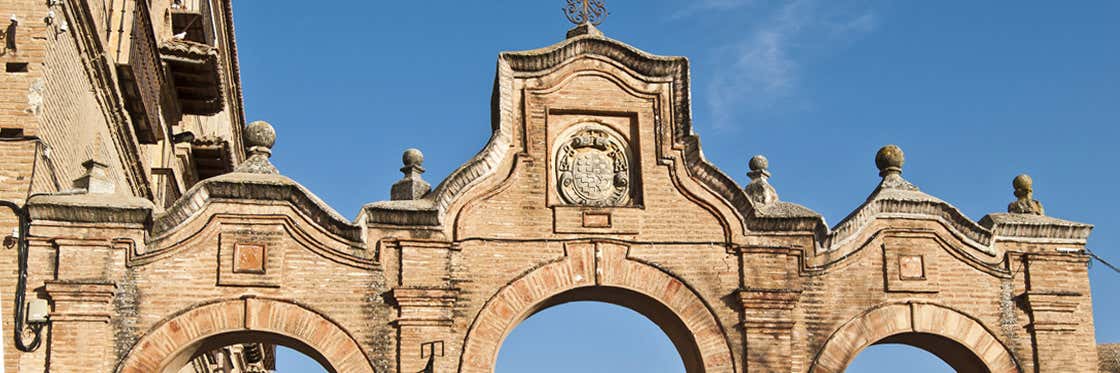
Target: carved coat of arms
(593,169)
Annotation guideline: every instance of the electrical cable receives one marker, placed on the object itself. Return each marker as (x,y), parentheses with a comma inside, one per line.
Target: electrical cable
(1105,262)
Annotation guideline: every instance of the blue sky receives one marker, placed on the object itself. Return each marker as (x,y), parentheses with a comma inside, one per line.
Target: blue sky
(974,92)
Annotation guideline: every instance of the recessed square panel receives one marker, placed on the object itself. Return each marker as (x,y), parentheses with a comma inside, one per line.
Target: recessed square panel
(248,258)
(596,219)
(911,267)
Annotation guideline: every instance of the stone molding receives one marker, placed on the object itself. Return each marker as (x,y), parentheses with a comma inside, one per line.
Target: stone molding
(425,306)
(768,310)
(90,208)
(900,203)
(1053,311)
(260,187)
(1029,227)
(79,301)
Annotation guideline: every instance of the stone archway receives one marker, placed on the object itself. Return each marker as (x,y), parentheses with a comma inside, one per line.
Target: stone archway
(177,338)
(601,272)
(956,338)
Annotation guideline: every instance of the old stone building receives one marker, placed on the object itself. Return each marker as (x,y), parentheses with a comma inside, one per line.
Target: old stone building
(155,235)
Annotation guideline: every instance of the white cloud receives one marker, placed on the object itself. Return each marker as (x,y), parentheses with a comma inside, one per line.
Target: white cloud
(764,67)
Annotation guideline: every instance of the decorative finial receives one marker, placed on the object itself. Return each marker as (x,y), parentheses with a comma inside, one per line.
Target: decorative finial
(1024,194)
(586,11)
(96,178)
(586,14)
(889,160)
(412,186)
(259,138)
(759,190)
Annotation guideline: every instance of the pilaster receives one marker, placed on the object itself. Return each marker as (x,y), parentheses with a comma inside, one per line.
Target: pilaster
(768,326)
(425,301)
(1061,320)
(81,338)
(768,297)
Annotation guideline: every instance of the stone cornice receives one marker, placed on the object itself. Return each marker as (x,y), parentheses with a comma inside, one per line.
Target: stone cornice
(266,187)
(90,208)
(1028,227)
(900,203)
(81,301)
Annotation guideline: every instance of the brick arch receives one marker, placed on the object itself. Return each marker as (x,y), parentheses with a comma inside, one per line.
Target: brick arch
(957,338)
(601,272)
(308,330)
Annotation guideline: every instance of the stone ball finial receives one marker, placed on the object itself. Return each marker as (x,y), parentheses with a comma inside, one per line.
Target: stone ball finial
(259,137)
(1024,199)
(412,186)
(1023,184)
(759,190)
(889,160)
(759,163)
(412,157)
(260,134)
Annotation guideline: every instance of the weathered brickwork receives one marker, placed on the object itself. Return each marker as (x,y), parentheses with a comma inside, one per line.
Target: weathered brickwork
(593,187)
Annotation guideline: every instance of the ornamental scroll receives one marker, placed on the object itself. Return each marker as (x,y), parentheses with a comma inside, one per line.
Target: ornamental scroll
(593,168)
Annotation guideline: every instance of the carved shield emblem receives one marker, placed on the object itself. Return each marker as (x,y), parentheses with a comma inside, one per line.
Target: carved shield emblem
(593,169)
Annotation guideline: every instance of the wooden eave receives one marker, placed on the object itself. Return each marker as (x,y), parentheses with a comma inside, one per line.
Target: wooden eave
(196,74)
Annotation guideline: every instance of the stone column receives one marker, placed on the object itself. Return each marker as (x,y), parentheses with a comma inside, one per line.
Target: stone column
(425,301)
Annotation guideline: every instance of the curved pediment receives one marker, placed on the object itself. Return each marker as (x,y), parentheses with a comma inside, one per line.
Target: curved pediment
(889,201)
(240,186)
(515,67)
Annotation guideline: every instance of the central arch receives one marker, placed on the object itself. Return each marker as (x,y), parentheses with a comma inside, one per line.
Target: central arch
(601,272)
(956,338)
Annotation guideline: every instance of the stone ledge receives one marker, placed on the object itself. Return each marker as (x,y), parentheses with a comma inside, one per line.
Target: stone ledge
(1029,226)
(90,208)
(80,301)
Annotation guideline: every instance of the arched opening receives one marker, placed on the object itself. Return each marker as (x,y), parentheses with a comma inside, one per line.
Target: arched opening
(601,272)
(174,342)
(247,352)
(916,353)
(954,337)
(600,327)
